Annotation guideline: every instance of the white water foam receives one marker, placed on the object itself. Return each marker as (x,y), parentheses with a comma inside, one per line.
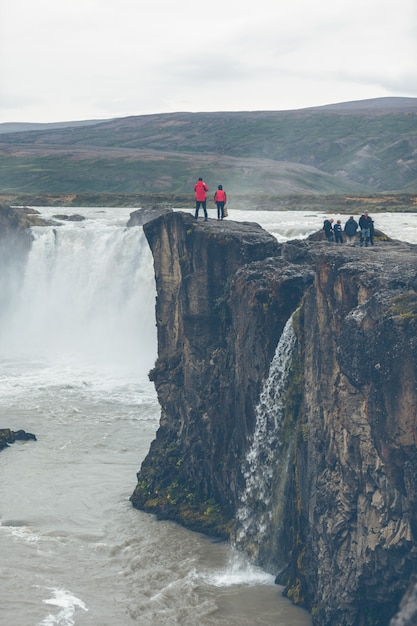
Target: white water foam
(68,605)
(287,225)
(238,572)
(87,297)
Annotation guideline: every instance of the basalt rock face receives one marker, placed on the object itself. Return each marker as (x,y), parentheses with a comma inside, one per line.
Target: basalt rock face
(15,242)
(343,540)
(206,384)
(356,463)
(13,229)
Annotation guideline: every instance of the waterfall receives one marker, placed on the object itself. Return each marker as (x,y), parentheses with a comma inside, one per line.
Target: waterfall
(266,464)
(87,295)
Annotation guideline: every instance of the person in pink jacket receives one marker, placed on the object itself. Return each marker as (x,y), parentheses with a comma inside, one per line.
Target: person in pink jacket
(220,199)
(201,190)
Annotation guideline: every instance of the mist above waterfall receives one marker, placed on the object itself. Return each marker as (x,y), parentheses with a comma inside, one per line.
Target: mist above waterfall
(87,295)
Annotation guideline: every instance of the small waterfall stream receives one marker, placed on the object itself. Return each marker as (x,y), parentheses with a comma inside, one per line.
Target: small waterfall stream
(264,471)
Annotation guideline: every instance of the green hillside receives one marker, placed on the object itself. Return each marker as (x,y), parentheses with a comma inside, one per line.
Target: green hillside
(312,151)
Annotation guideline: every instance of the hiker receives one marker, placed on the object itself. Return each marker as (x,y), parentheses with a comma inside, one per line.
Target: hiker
(337,229)
(220,199)
(351,227)
(328,229)
(201,189)
(371,233)
(365,224)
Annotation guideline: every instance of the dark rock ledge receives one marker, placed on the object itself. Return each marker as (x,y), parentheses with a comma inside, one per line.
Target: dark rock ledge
(8,436)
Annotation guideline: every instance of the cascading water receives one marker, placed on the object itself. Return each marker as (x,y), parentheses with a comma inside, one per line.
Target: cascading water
(77,338)
(87,294)
(258,516)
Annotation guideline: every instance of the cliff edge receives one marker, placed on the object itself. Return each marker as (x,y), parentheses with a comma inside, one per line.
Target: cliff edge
(337,518)
(15,242)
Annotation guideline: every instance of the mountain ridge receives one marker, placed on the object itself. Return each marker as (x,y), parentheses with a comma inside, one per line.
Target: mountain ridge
(365,146)
(391,103)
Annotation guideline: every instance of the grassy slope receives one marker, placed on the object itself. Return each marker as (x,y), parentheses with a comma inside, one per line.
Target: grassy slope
(143,173)
(292,152)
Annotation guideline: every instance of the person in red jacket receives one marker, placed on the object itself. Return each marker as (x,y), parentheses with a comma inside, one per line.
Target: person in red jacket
(201,189)
(220,199)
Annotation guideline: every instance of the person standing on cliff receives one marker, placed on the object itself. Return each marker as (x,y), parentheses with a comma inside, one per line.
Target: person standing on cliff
(220,198)
(365,224)
(201,190)
(337,229)
(328,229)
(371,233)
(351,227)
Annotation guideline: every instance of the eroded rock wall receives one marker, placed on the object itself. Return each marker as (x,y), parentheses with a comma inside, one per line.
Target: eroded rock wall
(15,242)
(344,544)
(206,383)
(356,464)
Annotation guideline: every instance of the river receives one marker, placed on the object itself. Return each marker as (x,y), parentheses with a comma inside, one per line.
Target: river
(76,343)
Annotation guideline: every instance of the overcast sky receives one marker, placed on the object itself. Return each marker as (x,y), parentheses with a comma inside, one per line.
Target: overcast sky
(64,60)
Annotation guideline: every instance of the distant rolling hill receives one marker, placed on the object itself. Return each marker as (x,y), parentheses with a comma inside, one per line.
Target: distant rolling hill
(18,127)
(368,146)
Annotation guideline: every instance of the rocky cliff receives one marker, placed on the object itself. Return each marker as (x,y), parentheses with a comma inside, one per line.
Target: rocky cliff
(15,242)
(340,463)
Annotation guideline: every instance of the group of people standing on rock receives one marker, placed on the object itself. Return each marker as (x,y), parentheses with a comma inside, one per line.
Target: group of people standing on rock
(220,199)
(334,232)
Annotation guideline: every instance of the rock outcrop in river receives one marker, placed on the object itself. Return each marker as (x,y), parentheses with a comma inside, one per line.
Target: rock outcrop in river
(8,436)
(342,501)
